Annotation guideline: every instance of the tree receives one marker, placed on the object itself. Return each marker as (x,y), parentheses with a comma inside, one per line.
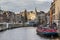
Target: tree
(25,15)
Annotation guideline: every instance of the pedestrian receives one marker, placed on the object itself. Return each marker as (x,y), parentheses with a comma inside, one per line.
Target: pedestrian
(54,25)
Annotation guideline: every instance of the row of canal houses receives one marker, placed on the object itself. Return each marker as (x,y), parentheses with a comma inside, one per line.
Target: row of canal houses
(11,17)
(7,16)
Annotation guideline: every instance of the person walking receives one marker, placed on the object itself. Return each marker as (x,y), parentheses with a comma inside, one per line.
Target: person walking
(54,25)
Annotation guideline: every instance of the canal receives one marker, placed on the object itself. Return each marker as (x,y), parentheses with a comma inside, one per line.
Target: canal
(23,33)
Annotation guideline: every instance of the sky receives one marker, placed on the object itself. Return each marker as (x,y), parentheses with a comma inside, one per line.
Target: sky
(20,5)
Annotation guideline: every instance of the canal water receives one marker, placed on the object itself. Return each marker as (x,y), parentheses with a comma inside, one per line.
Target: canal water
(24,33)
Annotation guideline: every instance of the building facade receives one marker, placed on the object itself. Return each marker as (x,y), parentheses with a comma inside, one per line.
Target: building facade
(28,15)
(52,8)
(1,16)
(55,7)
(48,17)
(18,18)
(31,16)
(57,12)
(42,18)
(9,17)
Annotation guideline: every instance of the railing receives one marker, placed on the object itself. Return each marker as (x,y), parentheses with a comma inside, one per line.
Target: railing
(9,25)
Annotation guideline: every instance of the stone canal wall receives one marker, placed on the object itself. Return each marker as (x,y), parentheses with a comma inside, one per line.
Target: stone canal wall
(4,26)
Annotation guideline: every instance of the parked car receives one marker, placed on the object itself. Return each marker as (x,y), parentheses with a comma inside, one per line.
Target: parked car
(29,24)
(46,30)
(33,24)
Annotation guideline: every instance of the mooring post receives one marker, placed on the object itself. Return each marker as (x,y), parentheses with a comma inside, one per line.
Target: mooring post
(7,25)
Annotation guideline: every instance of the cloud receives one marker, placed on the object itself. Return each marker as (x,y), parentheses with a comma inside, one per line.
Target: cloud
(18,5)
(45,0)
